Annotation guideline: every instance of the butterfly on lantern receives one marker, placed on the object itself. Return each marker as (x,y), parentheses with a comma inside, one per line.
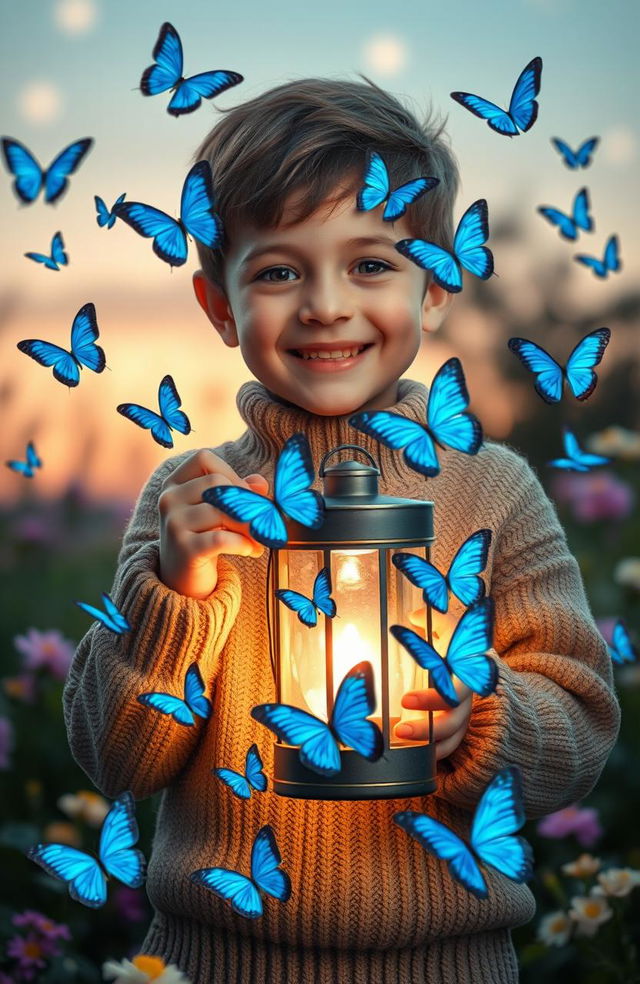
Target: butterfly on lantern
(160,424)
(578,373)
(307,608)
(30,178)
(58,257)
(574,159)
(493,840)
(377,189)
(575,458)
(111,618)
(84,351)
(86,877)
(253,778)
(610,262)
(462,578)
(27,467)
(523,108)
(104,217)
(569,226)
(181,710)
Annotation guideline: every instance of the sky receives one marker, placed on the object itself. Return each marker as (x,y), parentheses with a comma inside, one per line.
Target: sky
(72,68)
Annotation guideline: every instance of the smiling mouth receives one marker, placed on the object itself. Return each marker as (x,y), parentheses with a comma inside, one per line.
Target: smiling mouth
(327,356)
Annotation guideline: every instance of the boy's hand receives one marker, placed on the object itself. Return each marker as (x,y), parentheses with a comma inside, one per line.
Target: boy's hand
(193,532)
(449,723)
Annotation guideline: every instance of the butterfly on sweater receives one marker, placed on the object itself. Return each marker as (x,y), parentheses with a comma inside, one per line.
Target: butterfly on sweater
(27,467)
(294,474)
(622,649)
(466,654)
(462,578)
(160,424)
(574,159)
(377,189)
(569,226)
(578,372)
(104,217)
(85,876)
(112,618)
(84,351)
(448,423)
(523,108)
(243,892)
(307,608)
(58,257)
(253,778)
(610,262)
(30,177)
(493,841)
(195,702)
(576,459)
(318,741)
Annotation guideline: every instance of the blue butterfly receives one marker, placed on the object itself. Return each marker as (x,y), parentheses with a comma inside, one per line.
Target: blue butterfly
(293,497)
(182,711)
(578,371)
(103,216)
(462,577)
(466,656)
(622,650)
(576,158)
(27,467)
(85,876)
(610,263)
(307,608)
(576,459)
(498,815)
(84,351)
(196,218)
(319,749)
(160,424)
(569,225)
(29,176)
(243,892)
(523,108)
(111,618)
(448,423)
(377,190)
(166,73)
(254,776)
(58,256)
(469,250)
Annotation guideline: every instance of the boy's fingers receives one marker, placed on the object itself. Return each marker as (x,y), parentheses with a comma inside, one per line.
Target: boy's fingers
(430,700)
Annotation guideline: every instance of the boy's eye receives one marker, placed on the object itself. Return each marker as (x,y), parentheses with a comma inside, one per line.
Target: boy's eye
(274,274)
(375,263)
(265,275)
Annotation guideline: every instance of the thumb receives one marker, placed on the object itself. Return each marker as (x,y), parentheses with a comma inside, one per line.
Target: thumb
(257,479)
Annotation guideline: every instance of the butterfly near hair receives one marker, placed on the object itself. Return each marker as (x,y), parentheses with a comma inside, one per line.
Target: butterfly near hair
(26,468)
(610,263)
(523,108)
(166,73)
(469,251)
(578,372)
(462,578)
(448,423)
(377,189)
(348,724)
(160,424)
(85,876)
(570,225)
(293,497)
(466,657)
(196,218)
(58,256)
(576,459)
(112,618)
(244,892)
(574,159)
(254,777)
(622,650)
(29,176)
(493,841)
(84,351)
(307,608)
(104,217)
(182,711)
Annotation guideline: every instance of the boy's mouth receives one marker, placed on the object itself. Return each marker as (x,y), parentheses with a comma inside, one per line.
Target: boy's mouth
(340,353)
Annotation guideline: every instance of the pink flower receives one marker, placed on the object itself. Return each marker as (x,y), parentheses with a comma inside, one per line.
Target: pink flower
(594,496)
(49,650)
(6,742)
(22,687)
(584,823)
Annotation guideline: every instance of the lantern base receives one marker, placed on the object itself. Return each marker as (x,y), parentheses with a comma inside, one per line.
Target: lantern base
(408,770)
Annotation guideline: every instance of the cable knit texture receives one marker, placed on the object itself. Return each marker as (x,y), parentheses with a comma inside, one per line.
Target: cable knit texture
(368,904)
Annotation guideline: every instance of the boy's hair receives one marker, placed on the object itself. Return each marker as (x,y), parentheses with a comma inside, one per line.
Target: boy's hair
(310,135)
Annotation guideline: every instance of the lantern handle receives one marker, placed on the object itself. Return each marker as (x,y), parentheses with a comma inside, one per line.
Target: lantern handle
(342,447)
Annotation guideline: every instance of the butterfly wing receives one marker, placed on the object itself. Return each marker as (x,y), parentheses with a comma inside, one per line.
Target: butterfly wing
(194,693)
(568,156)
(322,593)
(424,575)
(294,474)
(444,267)
(237,783)
(149,420)
(58,254)
(44,259)
(471,235)
(497,118)
(587,354)
(301,605)
(584,152)
(253,769)
(169,240)
(67,161)
(405,195)
(355,700)
(426,657)
(265,870)
(265,522)
(397,432)
(566,225)
(469,562)
(84,332)
(318,748)
(190,92)
(82,873)
(32,458)
(523,108)
(622,649)
(103,215)
(442,842)
(580,460)
(196,206)
(611,254)
(101,617)
(376,183)
(581,215)
(168,60)
(25,169)
(115,614)
(498,815)
(169,402)
(65,367)
(232,886)
(549,375)
(449,422)
(466,655)
(168,704)
(118,836)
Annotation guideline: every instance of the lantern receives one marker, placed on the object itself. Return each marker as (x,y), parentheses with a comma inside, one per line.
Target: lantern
(355,544)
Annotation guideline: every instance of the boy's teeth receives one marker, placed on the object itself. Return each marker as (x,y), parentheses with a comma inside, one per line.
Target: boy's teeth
(338,354)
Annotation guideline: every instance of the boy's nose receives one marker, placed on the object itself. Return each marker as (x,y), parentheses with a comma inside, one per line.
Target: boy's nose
(325,303)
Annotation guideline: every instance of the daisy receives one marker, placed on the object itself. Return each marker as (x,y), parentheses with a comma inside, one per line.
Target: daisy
(143,969)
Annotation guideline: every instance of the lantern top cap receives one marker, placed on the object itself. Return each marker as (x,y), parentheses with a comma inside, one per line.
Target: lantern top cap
(348,467)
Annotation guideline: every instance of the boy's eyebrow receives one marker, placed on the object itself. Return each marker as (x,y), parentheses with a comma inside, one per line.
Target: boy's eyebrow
(284,247)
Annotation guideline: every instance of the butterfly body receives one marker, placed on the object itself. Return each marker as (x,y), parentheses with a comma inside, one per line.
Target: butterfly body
(57,258)
(574,159)
(160,424)
(462,577)
(578,372)
(622,650)
(111,617)
(570,225)
(576,459)
(307,608)
(27,468)
(523,108)
(254,777)
(104,217)
(182,711)
(610,263)
(30,178)
(85,876)
(84,351)
(377,189)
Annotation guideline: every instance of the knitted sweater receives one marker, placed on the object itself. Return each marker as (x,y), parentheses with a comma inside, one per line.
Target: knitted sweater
(368,903)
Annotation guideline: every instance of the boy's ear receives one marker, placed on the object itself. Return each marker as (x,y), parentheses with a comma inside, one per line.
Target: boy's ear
(213,301)
(435,306)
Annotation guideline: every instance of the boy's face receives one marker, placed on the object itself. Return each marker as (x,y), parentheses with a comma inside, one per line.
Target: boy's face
(314,284)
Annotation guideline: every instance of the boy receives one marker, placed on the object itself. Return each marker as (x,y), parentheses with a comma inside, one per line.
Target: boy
(302,268)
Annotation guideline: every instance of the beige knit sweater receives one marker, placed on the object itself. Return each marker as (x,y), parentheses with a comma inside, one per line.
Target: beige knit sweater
(368,904)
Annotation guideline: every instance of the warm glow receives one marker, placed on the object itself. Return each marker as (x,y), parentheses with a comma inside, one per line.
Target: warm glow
(386,54)
(349,649)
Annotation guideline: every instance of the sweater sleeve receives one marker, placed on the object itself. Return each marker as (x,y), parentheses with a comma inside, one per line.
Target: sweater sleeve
(120,743)
(554,713)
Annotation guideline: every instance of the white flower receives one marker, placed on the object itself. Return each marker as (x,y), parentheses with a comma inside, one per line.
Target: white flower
(617,442)
(618,881)
(85,805)
(143,969)
(627,572)
(555,929)
(583,867)
(589,912)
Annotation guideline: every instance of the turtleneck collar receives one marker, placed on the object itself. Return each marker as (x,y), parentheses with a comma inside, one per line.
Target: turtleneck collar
(271,421)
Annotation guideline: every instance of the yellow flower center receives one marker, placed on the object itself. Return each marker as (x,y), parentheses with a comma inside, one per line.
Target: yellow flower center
(152,966)
(592,909)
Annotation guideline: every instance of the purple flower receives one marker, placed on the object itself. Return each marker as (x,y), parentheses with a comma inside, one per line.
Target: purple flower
(22,687)
(594,496)
(34,529)
(584,823)
(29,953)
(6,742)
(49,650)
(42,924)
